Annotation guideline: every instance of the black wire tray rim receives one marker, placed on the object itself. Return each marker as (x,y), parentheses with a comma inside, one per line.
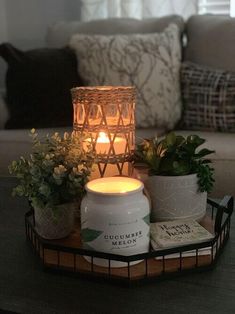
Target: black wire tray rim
(226,205)
(129,258)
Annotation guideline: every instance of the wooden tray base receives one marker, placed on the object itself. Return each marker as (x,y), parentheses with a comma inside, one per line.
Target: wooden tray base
(151,267)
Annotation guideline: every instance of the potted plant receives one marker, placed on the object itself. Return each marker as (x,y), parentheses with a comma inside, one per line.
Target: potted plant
(52,178)
(179,176)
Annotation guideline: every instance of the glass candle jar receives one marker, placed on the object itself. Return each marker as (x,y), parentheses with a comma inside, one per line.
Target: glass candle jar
(115,218)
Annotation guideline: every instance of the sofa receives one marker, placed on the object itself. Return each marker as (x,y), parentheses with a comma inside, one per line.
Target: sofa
(207,40)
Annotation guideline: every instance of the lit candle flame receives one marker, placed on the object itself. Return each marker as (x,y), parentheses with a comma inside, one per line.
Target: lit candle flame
(103,138)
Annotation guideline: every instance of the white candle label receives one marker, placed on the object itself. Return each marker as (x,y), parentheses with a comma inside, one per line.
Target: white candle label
(118,237)
(123,240)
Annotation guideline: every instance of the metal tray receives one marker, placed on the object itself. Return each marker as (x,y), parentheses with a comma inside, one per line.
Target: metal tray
(67,255)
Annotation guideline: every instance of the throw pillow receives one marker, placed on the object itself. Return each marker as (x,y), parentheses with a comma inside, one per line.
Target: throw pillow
(209,98)
(150,62)
(38,84)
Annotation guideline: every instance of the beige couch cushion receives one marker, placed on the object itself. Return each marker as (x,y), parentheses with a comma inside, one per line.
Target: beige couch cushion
(211,41)
(60,33)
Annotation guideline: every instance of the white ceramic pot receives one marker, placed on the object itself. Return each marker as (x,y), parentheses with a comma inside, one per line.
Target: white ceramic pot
(176,197)
(50,227)
(115,218)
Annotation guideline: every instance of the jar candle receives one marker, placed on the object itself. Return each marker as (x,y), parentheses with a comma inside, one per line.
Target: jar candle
(115,218)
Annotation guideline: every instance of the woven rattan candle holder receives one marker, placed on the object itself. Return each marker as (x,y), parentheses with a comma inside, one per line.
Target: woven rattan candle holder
(107,114)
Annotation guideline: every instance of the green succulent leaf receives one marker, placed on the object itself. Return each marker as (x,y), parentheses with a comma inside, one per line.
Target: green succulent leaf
(195,140)
(171,139)
(203,152)
(181,168)
(180,139)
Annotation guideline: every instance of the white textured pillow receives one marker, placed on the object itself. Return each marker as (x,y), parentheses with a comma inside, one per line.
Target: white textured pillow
(150,62)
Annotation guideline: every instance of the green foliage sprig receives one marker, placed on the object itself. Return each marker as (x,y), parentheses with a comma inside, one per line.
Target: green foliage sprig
(56,171)
(176,155)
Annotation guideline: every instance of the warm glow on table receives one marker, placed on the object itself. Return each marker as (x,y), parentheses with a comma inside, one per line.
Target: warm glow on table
(114,185)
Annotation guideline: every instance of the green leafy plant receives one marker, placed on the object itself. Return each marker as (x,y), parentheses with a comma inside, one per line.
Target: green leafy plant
(176,155)
(56,171)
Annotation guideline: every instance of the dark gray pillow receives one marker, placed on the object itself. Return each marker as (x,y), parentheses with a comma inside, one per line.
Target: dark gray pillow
(208,98)
(38,84)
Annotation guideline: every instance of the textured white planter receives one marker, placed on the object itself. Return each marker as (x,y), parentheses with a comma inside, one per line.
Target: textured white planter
(50,228)
(115,223)
(176,197)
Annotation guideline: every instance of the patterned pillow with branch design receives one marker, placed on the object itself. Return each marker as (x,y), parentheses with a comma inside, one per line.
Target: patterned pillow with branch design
(150,62)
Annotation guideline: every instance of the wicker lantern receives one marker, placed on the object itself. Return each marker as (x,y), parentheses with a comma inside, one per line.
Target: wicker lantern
(106,113)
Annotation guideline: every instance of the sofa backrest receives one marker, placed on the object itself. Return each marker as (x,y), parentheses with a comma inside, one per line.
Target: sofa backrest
(60,33)
(211,41)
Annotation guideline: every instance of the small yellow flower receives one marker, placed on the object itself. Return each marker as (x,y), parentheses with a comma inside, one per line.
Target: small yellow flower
(66,135)
(60,170)
(75,170)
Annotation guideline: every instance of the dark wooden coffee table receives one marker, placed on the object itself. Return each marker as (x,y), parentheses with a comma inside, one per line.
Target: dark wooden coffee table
(26,288)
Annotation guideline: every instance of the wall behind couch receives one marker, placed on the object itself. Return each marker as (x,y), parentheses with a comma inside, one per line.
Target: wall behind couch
(24,22)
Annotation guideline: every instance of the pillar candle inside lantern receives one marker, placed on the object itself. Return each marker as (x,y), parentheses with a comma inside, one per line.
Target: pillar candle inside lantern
(102,145)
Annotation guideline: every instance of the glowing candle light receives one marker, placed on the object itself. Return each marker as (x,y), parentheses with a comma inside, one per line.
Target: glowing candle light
(114,185)
(103,144)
